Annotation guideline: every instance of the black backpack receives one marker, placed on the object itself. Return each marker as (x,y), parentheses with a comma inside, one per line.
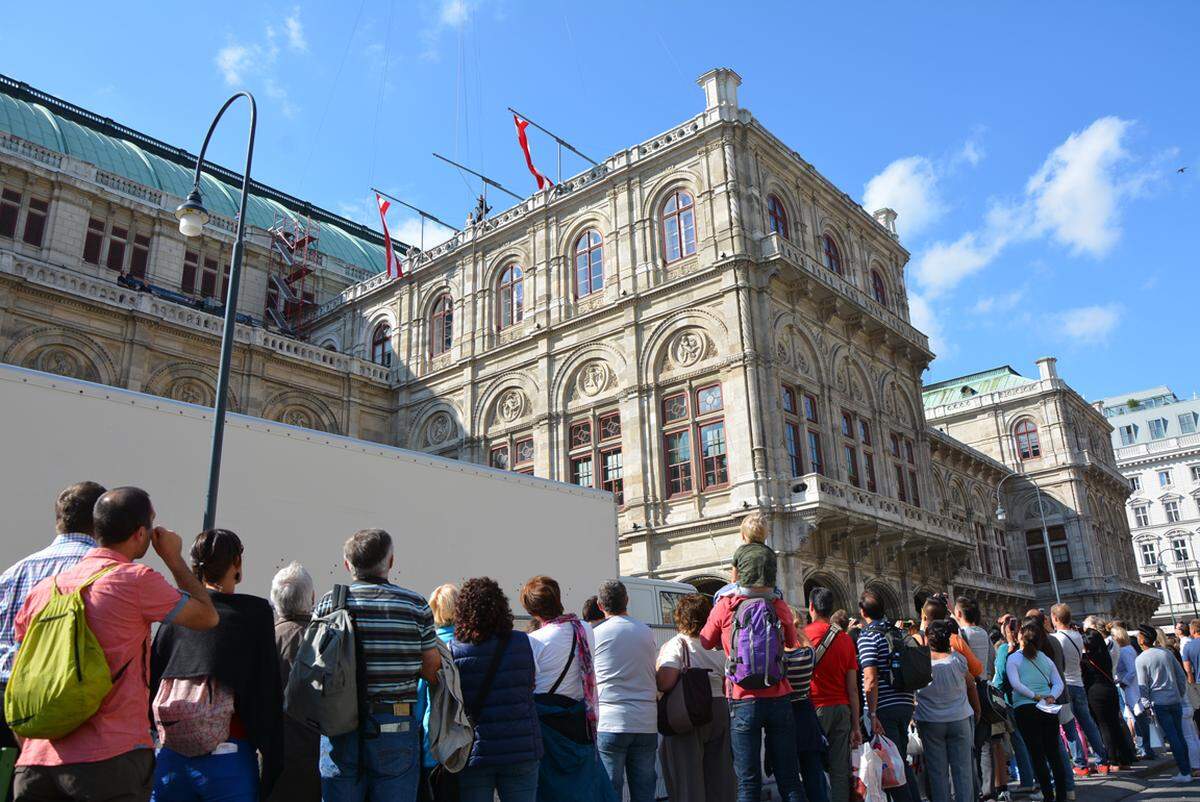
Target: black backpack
(910,667)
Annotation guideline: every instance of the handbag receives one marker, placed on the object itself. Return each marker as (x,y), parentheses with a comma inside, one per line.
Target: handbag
(569,716)
(192,714)
(993,707)
(689,702)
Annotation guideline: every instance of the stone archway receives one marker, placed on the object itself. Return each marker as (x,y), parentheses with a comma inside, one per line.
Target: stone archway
(707,585)
(887,594)
(841,598)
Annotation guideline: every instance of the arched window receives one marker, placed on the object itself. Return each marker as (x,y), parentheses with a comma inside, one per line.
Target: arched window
(381,345)
(679,226)
(878,288)
(778,216)
(1026,434)
(589,263)
(510,296)
(441,325)
(831,255)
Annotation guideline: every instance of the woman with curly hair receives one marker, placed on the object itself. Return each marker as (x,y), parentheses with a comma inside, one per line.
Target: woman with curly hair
(496,669)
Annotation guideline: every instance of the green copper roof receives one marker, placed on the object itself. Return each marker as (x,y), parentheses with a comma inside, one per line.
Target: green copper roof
(989,381)
(64,128)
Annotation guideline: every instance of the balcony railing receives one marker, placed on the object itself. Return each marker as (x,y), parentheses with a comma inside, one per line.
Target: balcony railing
(1183,441)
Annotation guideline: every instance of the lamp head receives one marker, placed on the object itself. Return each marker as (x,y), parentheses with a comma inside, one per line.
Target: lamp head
(1000,513)
(192,215)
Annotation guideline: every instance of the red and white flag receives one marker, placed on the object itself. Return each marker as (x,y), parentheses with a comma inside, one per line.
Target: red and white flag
(542,181)
(393,266)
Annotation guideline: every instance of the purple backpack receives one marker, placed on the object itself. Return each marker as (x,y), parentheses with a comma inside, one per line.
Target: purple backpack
(756,645)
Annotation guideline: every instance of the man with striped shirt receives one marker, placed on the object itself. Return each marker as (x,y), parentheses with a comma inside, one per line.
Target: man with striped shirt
(396,645)
(73,523)
(889,711)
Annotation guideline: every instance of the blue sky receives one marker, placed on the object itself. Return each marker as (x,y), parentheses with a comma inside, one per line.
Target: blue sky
(1031,149)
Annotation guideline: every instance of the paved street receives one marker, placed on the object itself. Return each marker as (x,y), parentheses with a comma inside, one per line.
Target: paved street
(1151,784)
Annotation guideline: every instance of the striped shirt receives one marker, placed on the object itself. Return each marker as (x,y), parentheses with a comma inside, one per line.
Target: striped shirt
(392,627)
(874,652)
(17,581)
(799,671)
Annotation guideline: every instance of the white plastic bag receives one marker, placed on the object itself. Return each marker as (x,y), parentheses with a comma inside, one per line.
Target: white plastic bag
(870,776)
(889,757)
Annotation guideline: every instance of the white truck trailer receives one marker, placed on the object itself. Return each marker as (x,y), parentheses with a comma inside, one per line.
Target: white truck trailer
(292,493)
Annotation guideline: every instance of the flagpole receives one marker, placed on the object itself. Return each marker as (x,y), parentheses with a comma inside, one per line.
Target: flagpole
(562,142)
(424,214)
(485,179)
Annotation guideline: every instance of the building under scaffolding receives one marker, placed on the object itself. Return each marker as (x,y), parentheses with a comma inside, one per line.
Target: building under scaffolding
(291,273)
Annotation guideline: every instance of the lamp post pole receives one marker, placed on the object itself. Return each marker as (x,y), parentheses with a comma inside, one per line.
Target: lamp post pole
(192,217)
(1166,580)
(1045,532)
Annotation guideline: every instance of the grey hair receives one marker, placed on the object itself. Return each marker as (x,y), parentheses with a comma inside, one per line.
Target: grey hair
(1097,622)
(613,597)
(368,551)
(292,590)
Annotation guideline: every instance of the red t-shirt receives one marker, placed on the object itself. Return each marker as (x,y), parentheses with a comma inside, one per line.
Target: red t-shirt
(718,630)
(829,677)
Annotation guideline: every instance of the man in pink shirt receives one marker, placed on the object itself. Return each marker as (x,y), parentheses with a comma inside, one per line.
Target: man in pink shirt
(110,756)
(755,711)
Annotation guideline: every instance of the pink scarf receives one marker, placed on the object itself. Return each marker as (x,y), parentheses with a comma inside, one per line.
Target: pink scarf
(583,658)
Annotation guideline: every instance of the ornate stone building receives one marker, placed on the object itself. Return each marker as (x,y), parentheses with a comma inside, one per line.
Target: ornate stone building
(702,324)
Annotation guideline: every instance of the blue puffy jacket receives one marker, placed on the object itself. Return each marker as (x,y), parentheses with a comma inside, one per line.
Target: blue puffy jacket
(506,727)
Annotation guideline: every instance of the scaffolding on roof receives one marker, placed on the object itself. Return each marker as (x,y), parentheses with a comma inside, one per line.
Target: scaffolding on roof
(292,272)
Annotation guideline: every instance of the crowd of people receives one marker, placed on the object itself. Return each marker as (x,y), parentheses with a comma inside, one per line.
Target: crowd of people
(574,708)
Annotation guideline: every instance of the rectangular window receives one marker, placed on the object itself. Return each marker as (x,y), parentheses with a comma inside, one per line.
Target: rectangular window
(614,474)
(610,427)
(1002,550)
(140,256)
(715,462)
(1180,549)
(1157,585)
(1135,482)
(1195,469)
(581,471)
(1158,428)
(1187,589)
(581,434)
(869,471)
(901,487)
(35,221)
(1164,478)
(894,444)
(708,400)
(675,407)
(788,400)
(523,453)
(679,463)
(1060,554)
(1187,421)
(208,278)
(1141,517)
(864,432)
(1128,435)
(10,207)
(1149,555)
(816,460)
(190,262)
(116,249)
(499,458)
(1171,508)
(791,438)
(908,452)
(852,466)
(847,424)
(810,408)
(914,491)
(94,241)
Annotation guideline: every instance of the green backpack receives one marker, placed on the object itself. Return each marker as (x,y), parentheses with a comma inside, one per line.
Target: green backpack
(61,676)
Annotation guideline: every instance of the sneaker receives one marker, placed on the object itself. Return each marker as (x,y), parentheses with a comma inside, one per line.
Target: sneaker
(1071,795)
(1105,769)
(1180,779)
(1003,796)
(1036,796)
(1081,772)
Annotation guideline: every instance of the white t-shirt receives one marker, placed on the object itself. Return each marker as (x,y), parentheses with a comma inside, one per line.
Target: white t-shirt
(625,676)
(1072,648)
(551,648)
(671,656)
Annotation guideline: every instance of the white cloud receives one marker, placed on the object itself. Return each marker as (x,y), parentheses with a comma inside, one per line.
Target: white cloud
(454,13)
(1089,324)
(234,60)
(909,186)
(408,231)
(295,31)
(925,319)
(998,303)
(445,14)
(1074,198)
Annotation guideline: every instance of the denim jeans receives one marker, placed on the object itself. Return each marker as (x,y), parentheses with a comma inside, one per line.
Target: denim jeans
(1170,718)
(948,746)
(812,776)
(895,720)
(229,777)
(1083,716)
(515,782)
(630,754)
(377,761)
(749,720)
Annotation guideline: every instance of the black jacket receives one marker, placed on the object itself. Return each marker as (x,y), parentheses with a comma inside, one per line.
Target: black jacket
(240,653)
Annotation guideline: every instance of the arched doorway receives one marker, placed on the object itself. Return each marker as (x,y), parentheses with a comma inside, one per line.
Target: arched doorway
(919,598)
(821,580)
(708,585)
(889,597)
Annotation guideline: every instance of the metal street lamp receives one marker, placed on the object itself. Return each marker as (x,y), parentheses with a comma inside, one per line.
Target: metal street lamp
(192,217)
(1001,515)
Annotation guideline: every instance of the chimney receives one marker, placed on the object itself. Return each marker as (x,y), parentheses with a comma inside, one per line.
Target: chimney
(720,93)
(887,219)
(1047,367)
